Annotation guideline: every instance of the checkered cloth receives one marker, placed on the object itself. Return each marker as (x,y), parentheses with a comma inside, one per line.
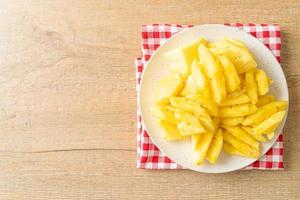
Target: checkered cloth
(148,155)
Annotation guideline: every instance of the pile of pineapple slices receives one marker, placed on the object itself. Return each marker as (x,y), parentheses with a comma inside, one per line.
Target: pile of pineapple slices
(216,96)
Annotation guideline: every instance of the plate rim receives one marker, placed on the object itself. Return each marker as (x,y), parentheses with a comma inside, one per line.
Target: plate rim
(190,29)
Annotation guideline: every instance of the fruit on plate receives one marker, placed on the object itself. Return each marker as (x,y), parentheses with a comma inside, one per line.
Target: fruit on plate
(231,76)
(262,82)
(214,72)
(265,99)
(181,58)
(237,52)
(264,112)
(216,95)
(170,86)
(251,85)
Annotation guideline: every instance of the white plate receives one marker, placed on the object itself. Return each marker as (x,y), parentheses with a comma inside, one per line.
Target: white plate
(181,151)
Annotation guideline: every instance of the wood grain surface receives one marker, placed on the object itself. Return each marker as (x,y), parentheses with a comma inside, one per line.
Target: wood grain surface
(67,100)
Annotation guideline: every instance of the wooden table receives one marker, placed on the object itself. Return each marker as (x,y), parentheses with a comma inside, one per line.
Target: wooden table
(67,101)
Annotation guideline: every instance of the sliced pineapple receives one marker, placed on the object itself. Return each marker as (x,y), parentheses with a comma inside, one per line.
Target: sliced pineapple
(190,87)
(189,123)
(214,72)
(231,76)
(251,86)
(239,56)
(262,82)
(181,58)
(201,80)
(170,131)
(169,86)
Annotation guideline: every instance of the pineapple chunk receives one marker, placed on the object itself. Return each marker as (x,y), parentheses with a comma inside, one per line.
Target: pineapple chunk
(201,81)
(165,114)
(208,124)
(203,146)
(216,121)
(262,82)
(169,86)
(188,129)
(182,103)
(242,147)
(189,124)
(228,148)
(242,135)
(239,56)
(250,130)
(214,72)
(170,131)
(195,140)
(235,42)
(231,75)
(235,100)
(182,57)
(206,103)
(265,99)
(237,110)
(264,112)
(270,124)
(251,86)
(215,147)
(189,88)
(232,121)
(242,79)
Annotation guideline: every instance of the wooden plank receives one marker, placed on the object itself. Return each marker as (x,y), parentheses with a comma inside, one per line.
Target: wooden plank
(62,175)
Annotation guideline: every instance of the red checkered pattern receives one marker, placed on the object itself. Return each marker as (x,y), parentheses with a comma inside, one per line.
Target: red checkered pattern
(148,155)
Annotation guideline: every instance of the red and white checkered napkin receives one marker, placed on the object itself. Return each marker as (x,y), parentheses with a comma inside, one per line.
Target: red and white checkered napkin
(148,155)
